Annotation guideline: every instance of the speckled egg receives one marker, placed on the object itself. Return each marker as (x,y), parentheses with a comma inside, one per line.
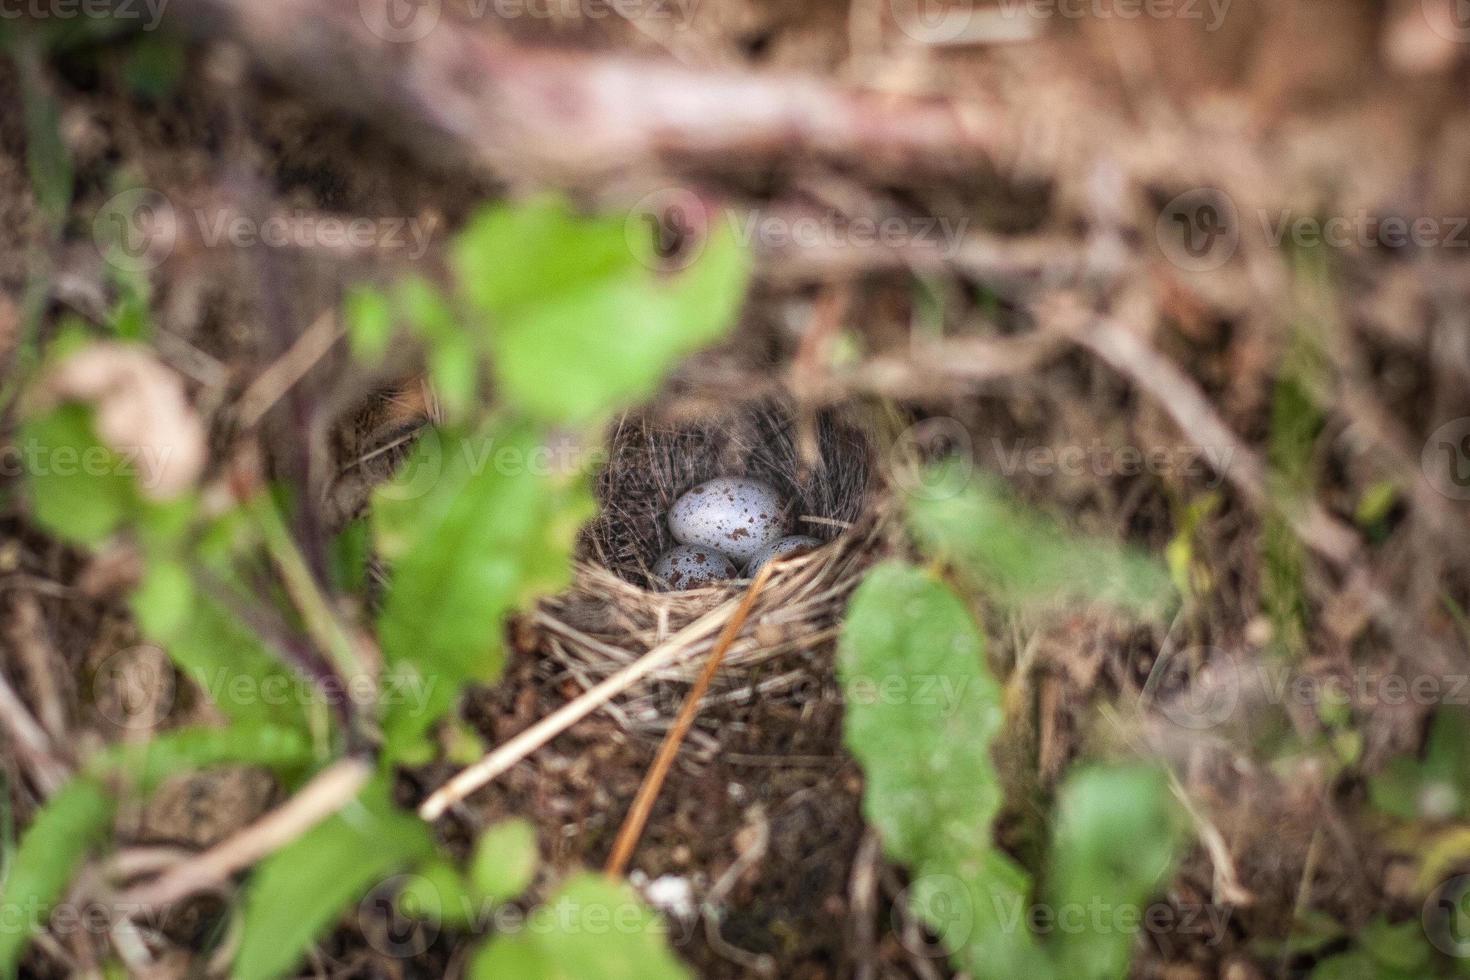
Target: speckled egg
(689,566)
(733,515)
(793,544)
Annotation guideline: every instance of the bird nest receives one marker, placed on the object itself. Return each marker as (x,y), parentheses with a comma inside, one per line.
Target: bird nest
(614,613)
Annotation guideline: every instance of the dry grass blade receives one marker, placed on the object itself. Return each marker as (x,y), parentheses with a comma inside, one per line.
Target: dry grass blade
(319,799)
(654,781)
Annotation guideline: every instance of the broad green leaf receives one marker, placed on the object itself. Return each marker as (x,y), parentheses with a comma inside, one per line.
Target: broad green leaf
(579,319)
(79,489)
(922,710)
(1024,557)
(300,890)
(1117,836)
(146,764)
(493,530)
(70,823)
(225,659)
(591,929)
(520,957)
(505,860)
(437,891)
(1436,787)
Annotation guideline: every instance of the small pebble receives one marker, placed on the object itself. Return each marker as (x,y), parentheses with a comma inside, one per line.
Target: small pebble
(733,515)
(794,544)
(688,566)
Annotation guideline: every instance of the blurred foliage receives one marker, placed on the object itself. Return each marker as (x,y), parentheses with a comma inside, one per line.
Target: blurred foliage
(582,319)
(479,520)
(603,932)
(933,793)
(1020,556)
(1436,787)
(301,888)
(490,534)
(72,822)
(932,790)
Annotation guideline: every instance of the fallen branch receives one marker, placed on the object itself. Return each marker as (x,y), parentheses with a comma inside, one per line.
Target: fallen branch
(570,119)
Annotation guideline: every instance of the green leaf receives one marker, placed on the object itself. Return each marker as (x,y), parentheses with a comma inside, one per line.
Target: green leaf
(79,489)
(369,319)
(47,158)
(1027,558)
(580,320)
(1402,946)
(1117,836)
(438,892)
(149,763)
(494,529)
(1436,787)
(520,957)
(922,710)
(300,890)
(225,659)
(154,65)
(505,860)
(70,823)
(594,929)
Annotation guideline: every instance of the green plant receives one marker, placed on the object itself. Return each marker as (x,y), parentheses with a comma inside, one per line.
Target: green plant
(573,322)
(932,788)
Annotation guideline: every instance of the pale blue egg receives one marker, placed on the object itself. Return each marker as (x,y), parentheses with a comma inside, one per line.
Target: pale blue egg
(688,566)
(733,515)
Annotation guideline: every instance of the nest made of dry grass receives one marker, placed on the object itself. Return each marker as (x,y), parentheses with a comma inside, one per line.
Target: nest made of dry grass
(823,465)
